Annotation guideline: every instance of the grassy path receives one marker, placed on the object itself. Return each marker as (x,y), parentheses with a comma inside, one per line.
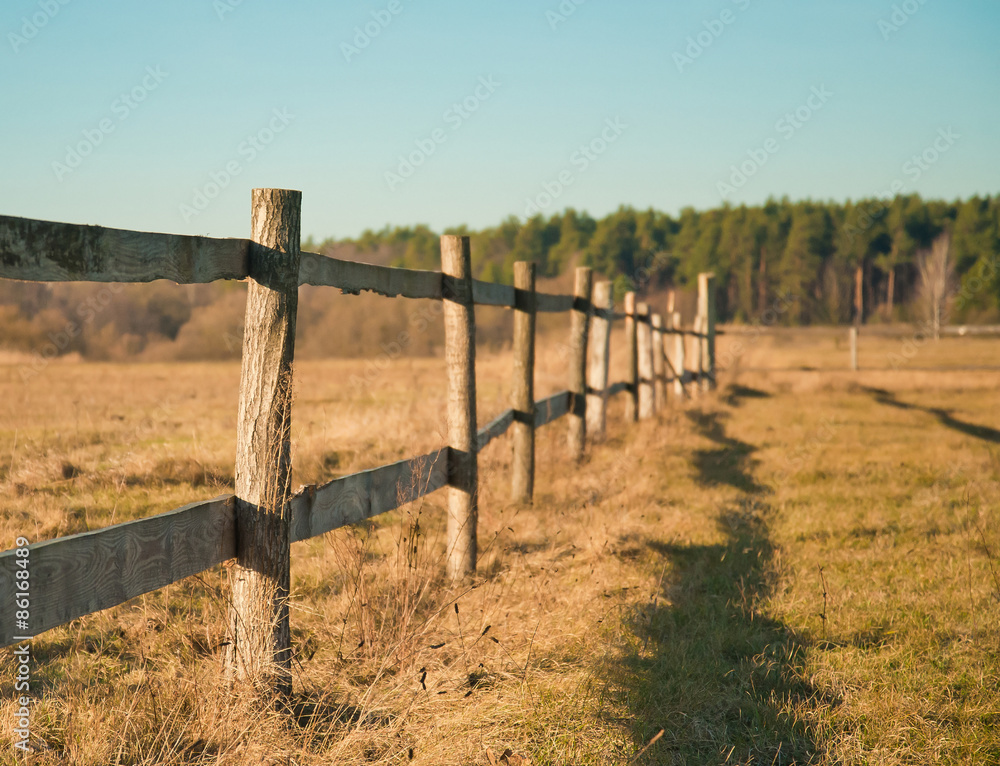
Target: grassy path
(844,609)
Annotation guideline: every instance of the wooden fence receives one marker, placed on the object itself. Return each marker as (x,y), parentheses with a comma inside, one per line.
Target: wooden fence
(85,573)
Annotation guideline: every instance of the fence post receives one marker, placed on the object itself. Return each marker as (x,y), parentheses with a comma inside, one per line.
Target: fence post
(460,357)
(579,327)
(706,308)
(523,474)
(854,348)
(632,360)
(659,368)
(644,342)
(600,346)
(697,356)
(679,362)
(259,649)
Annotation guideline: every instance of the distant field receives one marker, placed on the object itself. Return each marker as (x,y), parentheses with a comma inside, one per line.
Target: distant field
(892,347)
(800,568)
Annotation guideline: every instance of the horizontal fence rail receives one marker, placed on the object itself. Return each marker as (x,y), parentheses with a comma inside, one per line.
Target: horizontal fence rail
(43,251)
(46,251)
(494,429)
(353,277)
(617,388)
(85,573)
(360,496)
(552,408)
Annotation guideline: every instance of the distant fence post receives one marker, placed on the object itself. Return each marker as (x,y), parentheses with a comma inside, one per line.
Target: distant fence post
(659,368)
(644,342)
(697,358)
(706,308)
(854,348)
(632,360)
(600,346)
(460,357)
(679,360)
(668,351)
(579,327)
(259,649)
(523,468)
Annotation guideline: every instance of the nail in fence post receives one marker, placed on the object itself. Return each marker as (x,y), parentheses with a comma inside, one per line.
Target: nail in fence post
(706,308)
(679,362)
(460,357)
(523,474)
(600,346)
(259,649)
(644,340)
(579,326)
(632,360)
(659,368)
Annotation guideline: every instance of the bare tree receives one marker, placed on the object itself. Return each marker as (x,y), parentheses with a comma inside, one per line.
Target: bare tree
(937,282)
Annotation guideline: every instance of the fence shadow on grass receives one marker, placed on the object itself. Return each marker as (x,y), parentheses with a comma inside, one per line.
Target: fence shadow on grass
(731,463)
(736,393)
(704,665)
(701,661)
(944,417)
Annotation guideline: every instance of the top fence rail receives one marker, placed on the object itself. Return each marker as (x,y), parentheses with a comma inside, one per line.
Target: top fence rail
(44,251)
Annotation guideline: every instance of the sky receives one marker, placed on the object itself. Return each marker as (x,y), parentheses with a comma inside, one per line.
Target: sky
(163,116)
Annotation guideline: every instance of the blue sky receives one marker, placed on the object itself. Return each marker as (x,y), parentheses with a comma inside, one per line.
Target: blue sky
(163,116)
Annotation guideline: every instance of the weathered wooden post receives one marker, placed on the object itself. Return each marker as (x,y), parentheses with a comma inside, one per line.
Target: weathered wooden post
(706,308)
(600,346)
(259,648)
(523,469)
(460,357)
(579,327)
(854,348)
(632,359)
(659,368)
(668,352)
(679,361)
(644,341)
(697,356)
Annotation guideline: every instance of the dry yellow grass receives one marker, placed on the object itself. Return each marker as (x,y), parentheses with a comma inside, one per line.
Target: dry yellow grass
(673,581)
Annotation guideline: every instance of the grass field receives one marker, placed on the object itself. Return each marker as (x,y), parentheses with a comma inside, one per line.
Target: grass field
(800,568)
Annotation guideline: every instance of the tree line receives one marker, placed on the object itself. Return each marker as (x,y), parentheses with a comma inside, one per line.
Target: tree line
(837,262)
